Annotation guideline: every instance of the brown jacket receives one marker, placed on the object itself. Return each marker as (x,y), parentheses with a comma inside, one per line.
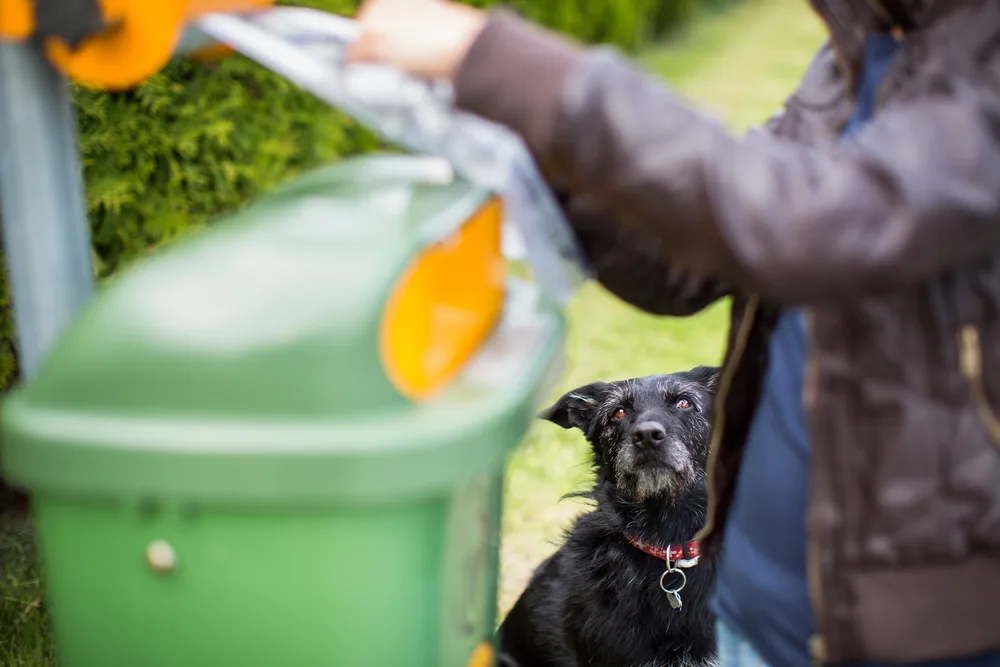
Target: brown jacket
(890,240)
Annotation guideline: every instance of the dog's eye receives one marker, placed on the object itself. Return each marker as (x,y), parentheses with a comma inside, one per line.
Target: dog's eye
(684,404)
(619,413)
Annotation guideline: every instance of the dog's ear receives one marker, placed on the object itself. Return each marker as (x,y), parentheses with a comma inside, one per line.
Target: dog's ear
(575,409)
(707,376)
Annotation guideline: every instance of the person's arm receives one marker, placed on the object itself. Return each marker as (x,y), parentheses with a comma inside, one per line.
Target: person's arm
(631,265)
(917,191)
(628,265)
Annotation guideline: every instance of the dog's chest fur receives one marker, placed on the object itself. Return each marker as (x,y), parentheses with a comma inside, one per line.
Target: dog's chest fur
(620,610)
(598,601)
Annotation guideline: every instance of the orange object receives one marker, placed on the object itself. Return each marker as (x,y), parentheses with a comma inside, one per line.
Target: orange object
(482,656)
(210,53)
(17,19)
(138,43)
(444,306)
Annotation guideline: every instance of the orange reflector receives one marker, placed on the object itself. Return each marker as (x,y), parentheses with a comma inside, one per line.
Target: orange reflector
(138,43)
(444,306)
(17,19)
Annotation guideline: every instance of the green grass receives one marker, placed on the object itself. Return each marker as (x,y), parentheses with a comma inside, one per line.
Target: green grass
(738,64)
(24,640)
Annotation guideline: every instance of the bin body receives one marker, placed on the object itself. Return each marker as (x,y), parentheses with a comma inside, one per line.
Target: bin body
(223,470)
(337,585)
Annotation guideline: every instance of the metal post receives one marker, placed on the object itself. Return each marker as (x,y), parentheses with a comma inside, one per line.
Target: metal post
(46,238)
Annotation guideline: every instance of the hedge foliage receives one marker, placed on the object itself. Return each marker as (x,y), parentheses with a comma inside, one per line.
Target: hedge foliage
(201,138)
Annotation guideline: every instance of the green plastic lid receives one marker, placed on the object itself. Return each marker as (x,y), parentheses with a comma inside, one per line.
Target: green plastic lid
(242,364)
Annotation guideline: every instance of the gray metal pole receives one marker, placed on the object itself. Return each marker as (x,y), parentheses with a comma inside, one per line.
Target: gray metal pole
(46,238)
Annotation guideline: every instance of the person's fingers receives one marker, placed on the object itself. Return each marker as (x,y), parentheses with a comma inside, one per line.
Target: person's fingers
(374,11)
(426,38)
(365,48)
(361,48)
(374,17)
(365,10)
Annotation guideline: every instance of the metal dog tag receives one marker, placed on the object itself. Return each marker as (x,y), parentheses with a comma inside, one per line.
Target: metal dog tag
(673,594)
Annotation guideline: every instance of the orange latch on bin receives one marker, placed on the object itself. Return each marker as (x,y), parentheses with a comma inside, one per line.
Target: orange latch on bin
(135,40)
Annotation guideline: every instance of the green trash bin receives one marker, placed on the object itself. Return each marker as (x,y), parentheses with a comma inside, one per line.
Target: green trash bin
(281,441)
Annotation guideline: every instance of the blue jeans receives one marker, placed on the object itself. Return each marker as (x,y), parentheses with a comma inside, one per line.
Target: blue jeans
(734,651)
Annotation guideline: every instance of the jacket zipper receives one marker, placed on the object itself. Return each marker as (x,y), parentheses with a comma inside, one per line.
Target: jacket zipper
(882,91)
(845,71)
(817,643)
(970,358)
(725,381)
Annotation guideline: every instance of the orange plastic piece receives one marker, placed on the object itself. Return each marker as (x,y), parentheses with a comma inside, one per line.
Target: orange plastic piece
(444,306)
(482,656)
(139,41)
(17,19)
(211,53)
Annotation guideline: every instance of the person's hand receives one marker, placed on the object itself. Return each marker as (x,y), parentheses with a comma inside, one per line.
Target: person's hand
(427,38)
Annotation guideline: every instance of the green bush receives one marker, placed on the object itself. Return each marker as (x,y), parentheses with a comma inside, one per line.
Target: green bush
(200,139)
(669,14)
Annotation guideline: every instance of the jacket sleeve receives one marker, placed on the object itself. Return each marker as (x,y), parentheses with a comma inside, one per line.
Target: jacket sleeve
(915,192)
(629,265)
(632,265)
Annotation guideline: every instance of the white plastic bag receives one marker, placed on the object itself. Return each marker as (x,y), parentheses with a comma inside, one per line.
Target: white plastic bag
(307,47)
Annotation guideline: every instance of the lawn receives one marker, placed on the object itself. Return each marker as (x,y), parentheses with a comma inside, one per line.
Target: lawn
(739,65)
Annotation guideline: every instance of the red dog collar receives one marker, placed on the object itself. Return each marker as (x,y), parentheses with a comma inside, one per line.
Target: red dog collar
(669,554)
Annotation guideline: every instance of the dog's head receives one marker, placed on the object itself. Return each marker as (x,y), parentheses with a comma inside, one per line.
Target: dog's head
(650,435)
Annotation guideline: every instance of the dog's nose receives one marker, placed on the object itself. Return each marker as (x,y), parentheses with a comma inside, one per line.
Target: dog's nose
(648,433)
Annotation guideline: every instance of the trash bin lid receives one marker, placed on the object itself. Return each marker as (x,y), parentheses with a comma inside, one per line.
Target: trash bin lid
(239,364)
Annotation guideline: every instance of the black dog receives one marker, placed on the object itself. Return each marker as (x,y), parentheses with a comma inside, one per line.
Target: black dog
(598,600)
